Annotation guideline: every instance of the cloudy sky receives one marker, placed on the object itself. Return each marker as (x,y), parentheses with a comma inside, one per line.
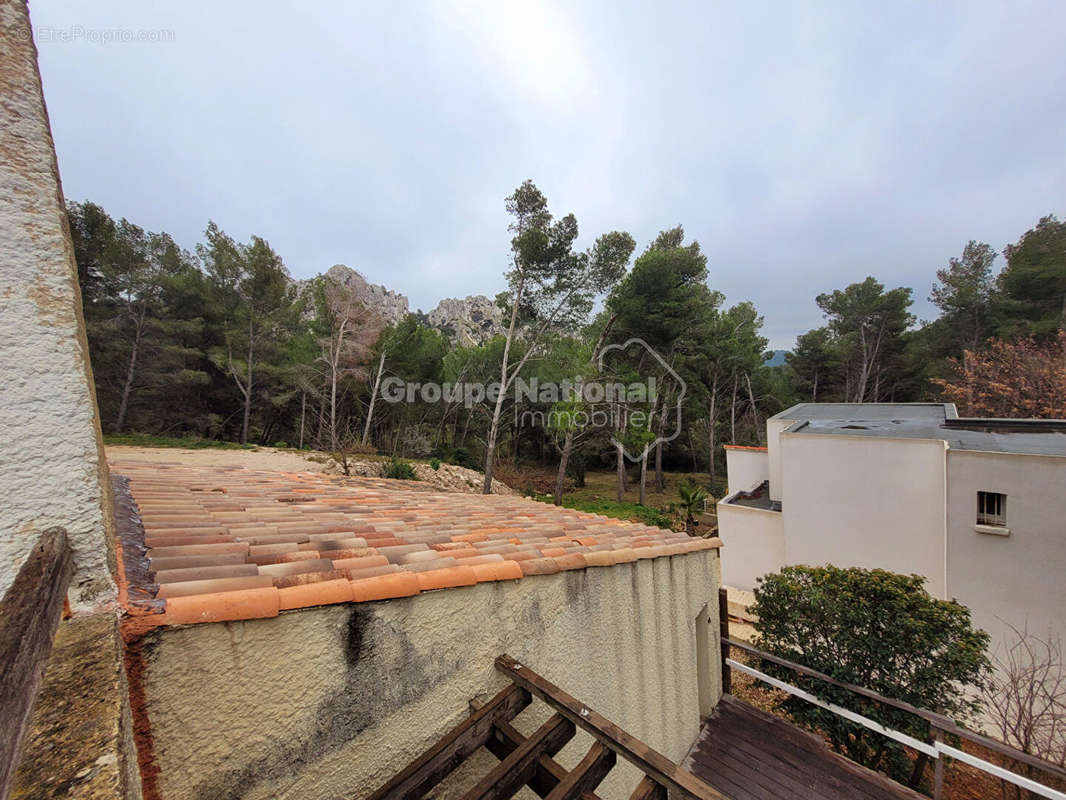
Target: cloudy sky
(805,147)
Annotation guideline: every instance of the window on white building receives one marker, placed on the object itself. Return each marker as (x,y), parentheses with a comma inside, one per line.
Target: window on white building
(992,509)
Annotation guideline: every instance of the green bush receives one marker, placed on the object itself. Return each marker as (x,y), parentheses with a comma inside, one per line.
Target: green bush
(610,508)
(188,442)
(434,464)
(878,630)
(462,457)
(459,456)
(281,445)
(400,470)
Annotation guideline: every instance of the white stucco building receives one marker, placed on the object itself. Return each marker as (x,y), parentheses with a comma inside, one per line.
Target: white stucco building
(977,506)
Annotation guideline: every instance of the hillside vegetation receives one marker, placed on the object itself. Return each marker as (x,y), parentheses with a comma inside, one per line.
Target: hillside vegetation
(219,345)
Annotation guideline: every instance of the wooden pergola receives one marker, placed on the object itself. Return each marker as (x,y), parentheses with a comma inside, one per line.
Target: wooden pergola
(528,761)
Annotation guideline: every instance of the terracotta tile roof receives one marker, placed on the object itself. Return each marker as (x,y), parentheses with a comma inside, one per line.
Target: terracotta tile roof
(232,543)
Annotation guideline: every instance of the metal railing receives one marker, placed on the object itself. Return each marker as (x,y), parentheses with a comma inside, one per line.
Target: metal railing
(941,727)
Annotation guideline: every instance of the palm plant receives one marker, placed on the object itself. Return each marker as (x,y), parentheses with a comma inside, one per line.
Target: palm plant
(691,502)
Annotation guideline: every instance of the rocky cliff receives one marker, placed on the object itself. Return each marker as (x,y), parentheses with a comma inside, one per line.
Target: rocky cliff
(390,306)
(468,321)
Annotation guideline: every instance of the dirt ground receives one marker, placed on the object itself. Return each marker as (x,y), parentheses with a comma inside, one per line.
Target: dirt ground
(446,478)
(261,458)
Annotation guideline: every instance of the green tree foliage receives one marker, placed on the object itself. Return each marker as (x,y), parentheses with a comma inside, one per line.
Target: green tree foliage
(867,326)
(878,630)
(413,353)
(142,330)
(1033,283)
(815,362)
(252,288)
(666,303)
(550,286)
(869,351)
(223,345)
(964,293)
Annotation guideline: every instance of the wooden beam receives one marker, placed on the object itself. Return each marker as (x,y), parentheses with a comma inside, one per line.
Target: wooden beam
(649,761)
(586,776)
(723,631)
(29,616)
(439,761)
(648,789)
(548,772)
(514,772)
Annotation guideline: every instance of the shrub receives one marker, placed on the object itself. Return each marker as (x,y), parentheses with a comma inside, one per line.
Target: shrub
(459,456)
(690,503)
(878,630)
(434,464)
(609,508)
(400,470)
(191,443)
(462,457)
(281,445)
(360,449)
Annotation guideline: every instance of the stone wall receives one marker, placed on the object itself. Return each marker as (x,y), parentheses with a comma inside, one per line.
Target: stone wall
(53,467)
(330,702)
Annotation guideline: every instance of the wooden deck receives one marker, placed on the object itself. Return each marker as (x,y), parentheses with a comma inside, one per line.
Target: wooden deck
(747,754)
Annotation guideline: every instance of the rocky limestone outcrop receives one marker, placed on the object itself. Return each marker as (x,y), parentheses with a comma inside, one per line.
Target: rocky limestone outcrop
(467,321)
(446,478)
(470,320)
(390,306)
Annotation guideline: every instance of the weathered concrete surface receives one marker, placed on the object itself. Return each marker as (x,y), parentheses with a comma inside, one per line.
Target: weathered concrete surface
(330,702)
(79,743)
(53,467)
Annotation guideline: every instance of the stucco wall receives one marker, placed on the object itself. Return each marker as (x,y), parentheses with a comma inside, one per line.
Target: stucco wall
(754,544)
(774,427)
(746,468)
(53,468)
(865,502)
(1016,579)
(330,702)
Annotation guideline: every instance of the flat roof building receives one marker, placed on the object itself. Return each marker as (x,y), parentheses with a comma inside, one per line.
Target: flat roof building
(976,506)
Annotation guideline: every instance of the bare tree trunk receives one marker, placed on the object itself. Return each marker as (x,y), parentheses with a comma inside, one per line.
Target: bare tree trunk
(336,348)
(248,389)
(733,414)
(642,494)
(754,411)
(568,442)
(620,471)
(864,372)
(564,458)
(466,428)
(490,443)
(656,421)
(373,397)
(303,415)
(127,385)
(319,440)
(333,409)
(660,481)
(814,392)
(497,411)
(712,423)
